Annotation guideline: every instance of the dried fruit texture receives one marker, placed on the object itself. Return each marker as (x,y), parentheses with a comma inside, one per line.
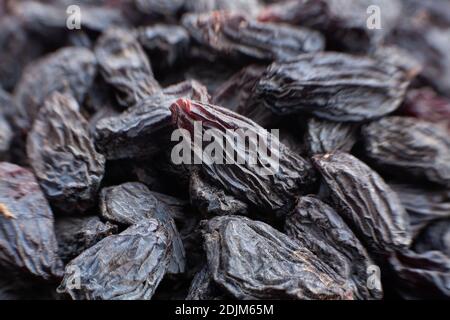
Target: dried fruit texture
(428,45)
(324,136)
(343,22)
(141,131)
(427,105)
(436,237)
(160,8)
(437,11)
(127,266)
(290,271)
(317,227)
(421,275)
(410,146)
(204,288)
(399,57)
(235,93)
(271,183)
(250,7)
(27,238)
(17,50)
(125,66)
(6,135)
(211,200)
(333,86)
(131,203)
(366,203)
(423,204)
(69,70)
(236,36)
(45,18)
(136,133)
(13,287)
(63,156)
(167,44)
(77,234)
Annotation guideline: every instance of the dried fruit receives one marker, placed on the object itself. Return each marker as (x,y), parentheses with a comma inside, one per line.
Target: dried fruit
(427,44)
(436,237)
(317,227)
(63,156)
(77,234)
(410,146)
(211,200)
(250,7)
(69,70)
(325,136)
(349,25)
(425,104)
(366,203)
(421,275)
(271,183)
(131,203)
(125,66)
(292,272)
(166,44)
(333,86)
(234,35)
(204,288)
(127,266)
(51,18)
(17,50)
(141,131)
(5,136)
(160,8)
(423,205)
(27,238)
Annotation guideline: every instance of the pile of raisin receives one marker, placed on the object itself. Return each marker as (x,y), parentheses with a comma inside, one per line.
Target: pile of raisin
(354,103)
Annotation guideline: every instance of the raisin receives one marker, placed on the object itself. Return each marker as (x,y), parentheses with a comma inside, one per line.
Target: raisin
(423,205)
(399,57)
(316,226)
(125,66)
(366,202)
(343,22)
(234,35)
(27,238)
(204,288)
(51,19)
(333,86)
(427,44)
(274,191)
(436,237)
(168,8)
(140,131)
(325,136)
(130,203)
(295,272)
(166,44)
(127,266)
(421,275)
(211,200)
(63,156)
(250,7)
(18,49)
(236,94)
(77,234)
(6,135)
(427,105)
(410,146)
(69,70)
